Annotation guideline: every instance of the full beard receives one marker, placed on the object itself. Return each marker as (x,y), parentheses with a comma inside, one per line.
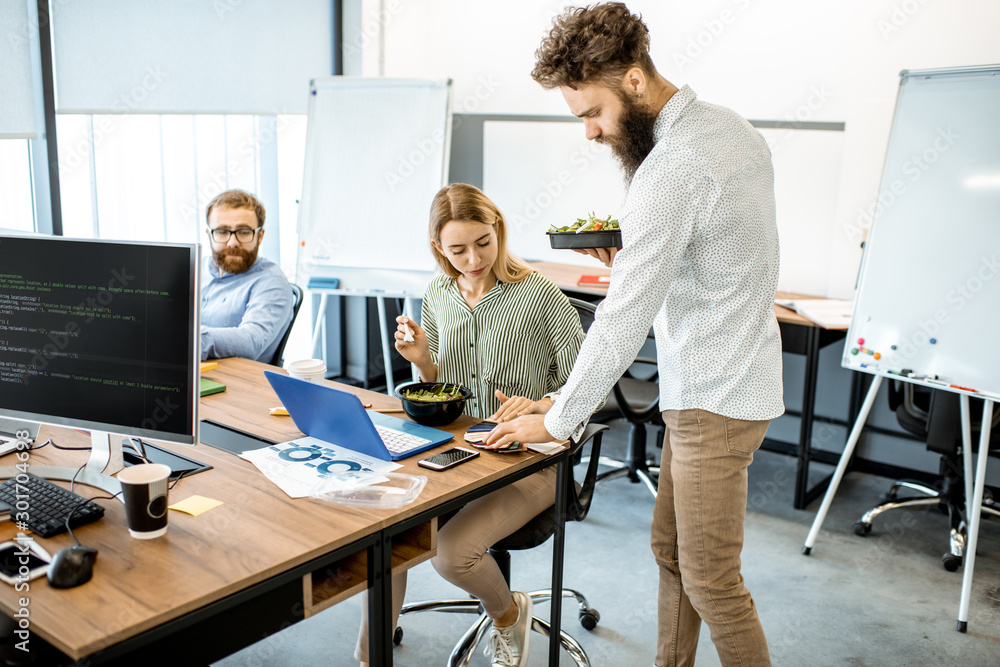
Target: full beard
(235,264)
(634,138)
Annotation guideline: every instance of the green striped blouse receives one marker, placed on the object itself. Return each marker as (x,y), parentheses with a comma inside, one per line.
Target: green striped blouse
(521,338)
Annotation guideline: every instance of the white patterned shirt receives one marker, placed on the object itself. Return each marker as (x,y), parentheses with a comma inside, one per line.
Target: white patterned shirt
(699,263)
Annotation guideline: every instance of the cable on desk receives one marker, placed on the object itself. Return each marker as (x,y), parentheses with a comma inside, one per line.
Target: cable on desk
(180,476)
(80,504)
(139,451)
(72,480)
(34,447)
(52,442)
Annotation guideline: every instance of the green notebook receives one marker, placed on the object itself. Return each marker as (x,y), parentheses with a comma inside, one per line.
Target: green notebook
(208,387)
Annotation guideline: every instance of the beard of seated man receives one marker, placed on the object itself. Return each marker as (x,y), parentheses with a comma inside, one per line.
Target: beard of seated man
(634,138)
(243,260)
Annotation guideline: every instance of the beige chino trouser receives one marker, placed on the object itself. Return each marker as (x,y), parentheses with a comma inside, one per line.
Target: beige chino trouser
(697,537)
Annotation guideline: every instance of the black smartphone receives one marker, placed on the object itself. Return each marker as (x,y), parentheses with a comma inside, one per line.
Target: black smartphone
(511,447)
(448,459)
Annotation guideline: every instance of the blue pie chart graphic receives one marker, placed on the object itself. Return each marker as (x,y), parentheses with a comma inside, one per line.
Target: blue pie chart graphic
(338,466)
(300,454)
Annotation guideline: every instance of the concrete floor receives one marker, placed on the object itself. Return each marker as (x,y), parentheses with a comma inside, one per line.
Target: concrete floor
(883,599)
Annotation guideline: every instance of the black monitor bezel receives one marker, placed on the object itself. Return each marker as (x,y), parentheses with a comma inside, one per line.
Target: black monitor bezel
(190,437)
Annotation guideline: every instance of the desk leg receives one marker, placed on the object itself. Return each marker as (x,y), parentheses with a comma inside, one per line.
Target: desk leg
(806,423)
(969,561)
(319,327)
(838,474)
(390,385)
(563,480)
(380,601)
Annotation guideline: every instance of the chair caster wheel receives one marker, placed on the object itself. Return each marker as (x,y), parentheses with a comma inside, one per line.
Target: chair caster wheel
(861,528)
(951,562)
(397,636)
(589,619)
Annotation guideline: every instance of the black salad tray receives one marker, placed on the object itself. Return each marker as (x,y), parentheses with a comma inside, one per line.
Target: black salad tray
(611,238)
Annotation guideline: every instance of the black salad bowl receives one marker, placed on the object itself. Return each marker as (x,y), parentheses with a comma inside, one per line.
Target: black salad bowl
(433,413)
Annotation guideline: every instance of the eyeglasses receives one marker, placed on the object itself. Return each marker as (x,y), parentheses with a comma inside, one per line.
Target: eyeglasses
(243,235)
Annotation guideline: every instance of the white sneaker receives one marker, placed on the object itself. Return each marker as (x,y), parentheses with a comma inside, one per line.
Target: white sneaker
(509,645)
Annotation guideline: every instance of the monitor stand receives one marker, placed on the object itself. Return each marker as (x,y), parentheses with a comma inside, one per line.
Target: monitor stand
(107,458)
(99,471)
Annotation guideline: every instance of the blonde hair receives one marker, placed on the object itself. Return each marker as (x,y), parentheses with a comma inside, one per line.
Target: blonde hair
(461,201)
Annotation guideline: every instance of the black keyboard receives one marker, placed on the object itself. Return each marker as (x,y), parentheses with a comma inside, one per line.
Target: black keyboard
(48,505)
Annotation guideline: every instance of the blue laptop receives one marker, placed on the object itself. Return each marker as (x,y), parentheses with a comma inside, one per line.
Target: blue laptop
(339,418)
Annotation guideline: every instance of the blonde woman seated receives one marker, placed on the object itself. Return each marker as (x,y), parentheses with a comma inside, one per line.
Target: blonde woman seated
(496,326)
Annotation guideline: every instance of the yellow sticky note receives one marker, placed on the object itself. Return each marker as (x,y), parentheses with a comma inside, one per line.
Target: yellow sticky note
(195,505)
(279,412)
(209,366)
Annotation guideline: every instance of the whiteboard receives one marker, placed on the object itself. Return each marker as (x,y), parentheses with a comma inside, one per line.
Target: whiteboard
(806,181)
(547,173)
(560,176)
(928,297)
(376,154)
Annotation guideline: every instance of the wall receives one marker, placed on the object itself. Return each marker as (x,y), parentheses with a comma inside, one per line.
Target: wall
(778,60)
(796,62)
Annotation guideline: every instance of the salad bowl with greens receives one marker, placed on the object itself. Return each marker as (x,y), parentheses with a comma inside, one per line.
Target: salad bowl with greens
(433,403)
(589,232)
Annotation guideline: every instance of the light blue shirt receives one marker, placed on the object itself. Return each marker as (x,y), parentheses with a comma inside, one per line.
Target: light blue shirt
(244,314)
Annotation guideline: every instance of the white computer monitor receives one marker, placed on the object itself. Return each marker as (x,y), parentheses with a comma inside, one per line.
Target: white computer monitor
(102,336)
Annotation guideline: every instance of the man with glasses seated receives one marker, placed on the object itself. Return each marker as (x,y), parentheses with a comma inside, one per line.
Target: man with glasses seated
(246,301)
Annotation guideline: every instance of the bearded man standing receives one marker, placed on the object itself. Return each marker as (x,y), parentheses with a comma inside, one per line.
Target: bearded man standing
(246,301)
(699,263)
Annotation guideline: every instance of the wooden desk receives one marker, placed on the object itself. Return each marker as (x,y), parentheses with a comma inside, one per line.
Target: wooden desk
(799,335)
(218,582)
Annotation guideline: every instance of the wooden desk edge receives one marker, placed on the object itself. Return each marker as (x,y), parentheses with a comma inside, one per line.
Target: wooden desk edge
(320,589)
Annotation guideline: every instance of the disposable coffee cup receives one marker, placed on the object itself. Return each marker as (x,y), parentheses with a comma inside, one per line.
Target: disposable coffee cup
(310,370)
(144,489)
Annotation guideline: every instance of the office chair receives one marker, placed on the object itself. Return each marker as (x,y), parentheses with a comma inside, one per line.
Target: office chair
(279,353)
(635,398)
(531,535)
(936,417)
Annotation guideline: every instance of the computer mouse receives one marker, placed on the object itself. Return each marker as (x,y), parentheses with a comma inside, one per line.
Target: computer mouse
(72,566)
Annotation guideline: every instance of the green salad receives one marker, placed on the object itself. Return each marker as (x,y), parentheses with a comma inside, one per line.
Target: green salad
(442,393)
(589,224)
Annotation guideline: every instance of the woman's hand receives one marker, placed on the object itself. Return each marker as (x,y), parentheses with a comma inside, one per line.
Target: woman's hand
(530,428)
(411,343)
(516,406)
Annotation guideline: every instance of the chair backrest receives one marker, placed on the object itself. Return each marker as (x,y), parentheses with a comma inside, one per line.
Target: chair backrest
(936,416)
(279,353)
(578,497)
(586,310)
(637,393)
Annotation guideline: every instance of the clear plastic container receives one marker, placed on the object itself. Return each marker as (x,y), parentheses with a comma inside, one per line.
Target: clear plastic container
(384,490)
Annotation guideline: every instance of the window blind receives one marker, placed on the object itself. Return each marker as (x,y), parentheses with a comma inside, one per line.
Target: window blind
(189,56)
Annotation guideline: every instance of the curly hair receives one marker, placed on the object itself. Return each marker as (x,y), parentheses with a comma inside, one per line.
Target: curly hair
(595,44)
(236,199)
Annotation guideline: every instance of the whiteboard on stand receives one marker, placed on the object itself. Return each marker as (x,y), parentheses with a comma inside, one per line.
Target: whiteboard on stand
(928,300)
(376,153)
